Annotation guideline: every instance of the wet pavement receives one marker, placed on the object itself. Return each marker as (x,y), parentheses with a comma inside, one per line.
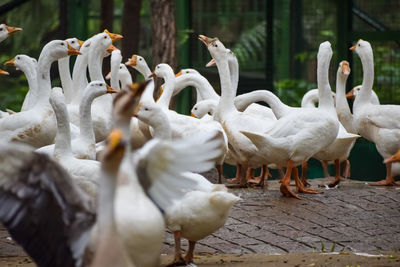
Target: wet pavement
(353,217)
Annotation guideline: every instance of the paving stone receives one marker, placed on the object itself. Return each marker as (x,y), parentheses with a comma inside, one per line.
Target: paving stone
(355,216)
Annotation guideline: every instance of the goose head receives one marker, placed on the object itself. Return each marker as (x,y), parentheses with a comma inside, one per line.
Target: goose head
(214,46)
(100,88)
(114,151)
(22,62)
(344,68)
(164,71)
(325,50)
(137,62)
(58,49)
(74,43)
(353,92)
(123,72)
(148,112)
(114,37)
(6,31)
(187,71)
(204,107)
(363,49)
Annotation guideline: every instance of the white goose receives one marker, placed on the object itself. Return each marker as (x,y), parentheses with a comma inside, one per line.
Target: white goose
(6,31)
(202,211)
(139,64)
(83,145)
(296,137)
(377,123)
(84,172)
(37,125)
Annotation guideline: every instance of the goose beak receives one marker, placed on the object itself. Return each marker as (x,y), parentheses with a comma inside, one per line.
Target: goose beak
(345,68)
(353,48)
(3,72)
(108,76)
(394,158)
(152,75)
(211,63)
(132,61)
(206,40)
(178,74)
(350,94)
(191,114)
(114,37)
(110,49)
(110,90)
(80,42)
(114,139)
(10,62)
(72,51)
(137,109)
(12,30)
(161,92)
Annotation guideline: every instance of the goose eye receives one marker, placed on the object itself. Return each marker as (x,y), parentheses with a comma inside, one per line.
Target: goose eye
(359,44)
(105,37)
(1,29)
(209,113)
(62,44)
(120,68)
(195,108)
(72,42)
(146,109)
(140,59)
(187,71)
(17,57)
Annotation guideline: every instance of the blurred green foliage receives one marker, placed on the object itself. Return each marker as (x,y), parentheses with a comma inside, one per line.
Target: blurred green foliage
(291,91)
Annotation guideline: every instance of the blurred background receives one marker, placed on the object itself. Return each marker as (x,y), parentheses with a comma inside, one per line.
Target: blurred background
(276,42)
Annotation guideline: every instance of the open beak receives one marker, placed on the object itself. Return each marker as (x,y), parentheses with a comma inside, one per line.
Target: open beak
(152,75)
(72,51)
(211,63)
(178,74)
(3,72)
(108,76)
(110,90)
(206,40)
(12,30)
(394,158)
(10,62)
(132,61)
(345,68)
(80,42)
(350,94)
(110,49)
(114,37)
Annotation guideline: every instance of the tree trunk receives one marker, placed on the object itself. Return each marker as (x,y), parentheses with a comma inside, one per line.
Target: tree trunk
(163,33)
(131,30)
(107,17)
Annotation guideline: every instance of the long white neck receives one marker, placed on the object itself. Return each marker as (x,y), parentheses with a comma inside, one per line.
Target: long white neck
(123,124)
(342,105)
(95,60)
(115,76)
(125,80)
(200,83)
(234,71)
(324,89)
(168,90)
(65,77)
(62,145)
(43,79)
(161,126)
(85,115)
(278,107)
(31,77)
(367,60)
(226,102)
(310,99)
(79,79)
(144,70)
(106,195)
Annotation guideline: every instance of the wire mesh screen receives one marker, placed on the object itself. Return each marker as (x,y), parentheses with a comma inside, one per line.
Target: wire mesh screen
(240,25)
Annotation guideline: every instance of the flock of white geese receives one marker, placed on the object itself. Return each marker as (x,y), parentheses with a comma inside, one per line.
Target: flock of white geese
(91,174)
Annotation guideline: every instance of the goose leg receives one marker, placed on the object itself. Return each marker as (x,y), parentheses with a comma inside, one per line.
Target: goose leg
(257,180)
(389,181)
(299,185)
(346,169)
(336,181)
(237,178)
(178,259)
(285,182)
(325,168)
(220,171)
(189,254)
(304,169)
(265,175)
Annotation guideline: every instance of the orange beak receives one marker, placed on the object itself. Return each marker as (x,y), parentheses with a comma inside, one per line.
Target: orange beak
(132,61)
(110,90)
(353,48)
(137,109)
(114,139)
(178,74)
(211,63)
(12,30)
(114,37)
(206,40)
(110,49)
(3,72)
(10,62)
(350,94)
(394,158)
(152,75)
(191,114)
(72,51)
(80,42)
(108,76)
(345,68)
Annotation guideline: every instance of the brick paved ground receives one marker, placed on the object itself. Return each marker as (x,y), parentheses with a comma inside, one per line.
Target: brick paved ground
(353,217)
